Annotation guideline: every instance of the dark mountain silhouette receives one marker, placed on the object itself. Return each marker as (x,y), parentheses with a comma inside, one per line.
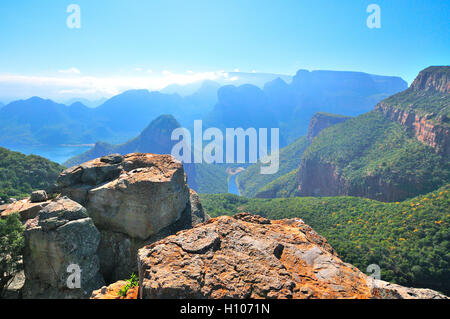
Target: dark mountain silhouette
(289,106)
(37,121)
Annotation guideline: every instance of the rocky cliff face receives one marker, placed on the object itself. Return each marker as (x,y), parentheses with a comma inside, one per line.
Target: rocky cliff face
(321,121)
(422,110)
(435,79)
(435,133)
(433,86)
(323,179)
(248,256)
(104,211)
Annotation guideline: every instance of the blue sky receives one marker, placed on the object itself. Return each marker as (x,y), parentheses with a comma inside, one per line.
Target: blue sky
(125,39)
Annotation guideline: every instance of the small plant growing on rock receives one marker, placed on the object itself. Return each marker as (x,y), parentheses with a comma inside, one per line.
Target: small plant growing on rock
(132,282)
(11,245)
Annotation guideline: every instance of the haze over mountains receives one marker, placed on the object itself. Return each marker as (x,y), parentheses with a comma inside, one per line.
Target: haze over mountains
(38,121)
(290,106)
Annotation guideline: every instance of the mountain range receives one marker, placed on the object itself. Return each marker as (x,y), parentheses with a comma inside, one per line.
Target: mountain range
(289,106)
(396,151)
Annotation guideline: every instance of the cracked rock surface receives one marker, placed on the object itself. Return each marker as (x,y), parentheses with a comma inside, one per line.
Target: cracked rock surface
(248,256)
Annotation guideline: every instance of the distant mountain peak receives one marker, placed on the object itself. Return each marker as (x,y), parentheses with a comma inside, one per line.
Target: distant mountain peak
(433,78)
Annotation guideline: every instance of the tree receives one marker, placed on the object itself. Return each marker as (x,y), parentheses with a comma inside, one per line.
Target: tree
(11,245)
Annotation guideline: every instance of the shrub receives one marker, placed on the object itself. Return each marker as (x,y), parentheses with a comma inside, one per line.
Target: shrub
(11,245)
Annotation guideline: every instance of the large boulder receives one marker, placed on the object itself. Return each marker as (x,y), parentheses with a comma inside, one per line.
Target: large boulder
(133,200)
(38,196)
(60,237)
(249,256)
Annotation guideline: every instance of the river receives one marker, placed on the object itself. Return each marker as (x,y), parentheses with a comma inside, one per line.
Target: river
(58,154)
(232,186)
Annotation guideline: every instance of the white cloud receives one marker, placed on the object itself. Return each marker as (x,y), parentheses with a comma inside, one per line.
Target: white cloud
(149,71)
(93,87)
(236,70)
(70,71)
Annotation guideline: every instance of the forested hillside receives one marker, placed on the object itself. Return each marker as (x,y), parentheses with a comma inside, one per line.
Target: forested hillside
(21,174)
(409,240)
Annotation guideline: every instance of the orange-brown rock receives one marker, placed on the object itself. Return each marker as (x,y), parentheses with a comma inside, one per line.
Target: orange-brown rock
(112,291)
(248,256)
(430,132)
(25,208)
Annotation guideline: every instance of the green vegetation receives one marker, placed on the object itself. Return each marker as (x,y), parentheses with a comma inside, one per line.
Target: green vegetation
(426,102)
(210,179)
(21,174)
(11,245)
(423,103)
(409,240)
(370,147)
(251,181)
(132,282)
(283,186)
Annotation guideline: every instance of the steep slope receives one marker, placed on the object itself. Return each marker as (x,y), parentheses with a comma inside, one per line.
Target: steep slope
(321,121)
(372,156)
(156,138)
(424,108)
(251,180)
(282,184)
(21,174)
(408,240)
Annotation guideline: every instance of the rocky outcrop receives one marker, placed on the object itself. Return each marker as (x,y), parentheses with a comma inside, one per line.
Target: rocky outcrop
(430,125)
(435,133)
(60,240)
(112,291)
(248,256)
(321,121)
(434,78)
(25,208)
(385,290)
(38,196)
(133,200)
